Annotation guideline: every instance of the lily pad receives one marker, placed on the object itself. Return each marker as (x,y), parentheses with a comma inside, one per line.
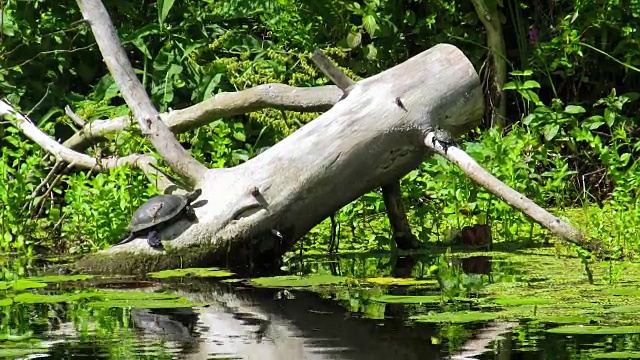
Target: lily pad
(298,281)
(60,278)
(5,302)
(141,299)
(409,299)
(455,317)
(191,272)
(137,295)
(16,352)
(29,298)
(144,304)
(595,330)
(21,284)
(388,281)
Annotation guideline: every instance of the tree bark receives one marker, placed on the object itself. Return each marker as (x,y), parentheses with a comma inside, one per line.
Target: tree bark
(372,137)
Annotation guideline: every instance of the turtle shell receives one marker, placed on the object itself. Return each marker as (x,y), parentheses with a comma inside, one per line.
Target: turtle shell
(157,210)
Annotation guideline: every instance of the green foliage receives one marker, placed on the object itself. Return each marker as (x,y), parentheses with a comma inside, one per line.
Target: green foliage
(570,145)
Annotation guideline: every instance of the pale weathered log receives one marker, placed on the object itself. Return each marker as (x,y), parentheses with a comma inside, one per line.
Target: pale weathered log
(370,138)
(135,96)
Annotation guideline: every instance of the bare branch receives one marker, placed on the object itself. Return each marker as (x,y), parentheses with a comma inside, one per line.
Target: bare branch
(332,72)
(134,94)
(74,117)
(79,160)
(279,96)
(472,169)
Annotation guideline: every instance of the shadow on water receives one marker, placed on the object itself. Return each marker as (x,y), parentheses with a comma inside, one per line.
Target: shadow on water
(191,317)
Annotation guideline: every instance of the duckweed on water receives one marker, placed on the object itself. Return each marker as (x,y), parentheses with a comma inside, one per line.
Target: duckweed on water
(523,301)
(616,355)
(193,272)
(408,299)
(391,281)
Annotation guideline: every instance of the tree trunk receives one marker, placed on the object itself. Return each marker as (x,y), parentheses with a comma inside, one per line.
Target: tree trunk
(371,138)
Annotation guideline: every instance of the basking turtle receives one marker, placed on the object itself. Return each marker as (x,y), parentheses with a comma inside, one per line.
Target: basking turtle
(159,211)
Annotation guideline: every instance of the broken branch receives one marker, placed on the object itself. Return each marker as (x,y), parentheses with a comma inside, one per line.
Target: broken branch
(332,72)
(474,171)
(226,104)
(135,96)
(63,154)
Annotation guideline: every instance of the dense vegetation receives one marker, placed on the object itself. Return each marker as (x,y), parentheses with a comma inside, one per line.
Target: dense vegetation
(569,143)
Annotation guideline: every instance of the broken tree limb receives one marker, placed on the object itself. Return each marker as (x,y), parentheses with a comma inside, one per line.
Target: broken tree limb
(79,160)
(478,174)
(226,104)
(332,71)
(363,142)
(135,96)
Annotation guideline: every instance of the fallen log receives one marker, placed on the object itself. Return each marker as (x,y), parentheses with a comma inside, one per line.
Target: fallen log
(254,212)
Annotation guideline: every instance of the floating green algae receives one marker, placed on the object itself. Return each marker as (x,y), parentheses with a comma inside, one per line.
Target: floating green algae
(625,309)
(523,301)
(622,291)
(559,319)
(594,330)
(457,317)
(409,299)
(298,281)
(60,278)
(389,281)
(191,272)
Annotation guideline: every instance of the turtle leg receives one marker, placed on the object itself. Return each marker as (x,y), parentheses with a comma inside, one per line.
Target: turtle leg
(154,240)
(190,214)
(126,239)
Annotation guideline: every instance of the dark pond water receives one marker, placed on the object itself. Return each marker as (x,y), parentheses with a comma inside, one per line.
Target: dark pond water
(207,318)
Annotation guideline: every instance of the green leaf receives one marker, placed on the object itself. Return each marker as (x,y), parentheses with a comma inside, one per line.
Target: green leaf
(164,6)
(551,131)
(354,39)
(530,84)
(369,24)
(574,109)
(372,52)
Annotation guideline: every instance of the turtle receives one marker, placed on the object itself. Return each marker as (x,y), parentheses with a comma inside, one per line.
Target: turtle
(158,211)
(444,137)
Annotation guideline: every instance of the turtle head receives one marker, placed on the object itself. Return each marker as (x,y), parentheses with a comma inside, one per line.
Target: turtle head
(194,195)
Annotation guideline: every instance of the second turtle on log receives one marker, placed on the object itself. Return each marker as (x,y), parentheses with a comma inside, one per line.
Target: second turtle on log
(158,212)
